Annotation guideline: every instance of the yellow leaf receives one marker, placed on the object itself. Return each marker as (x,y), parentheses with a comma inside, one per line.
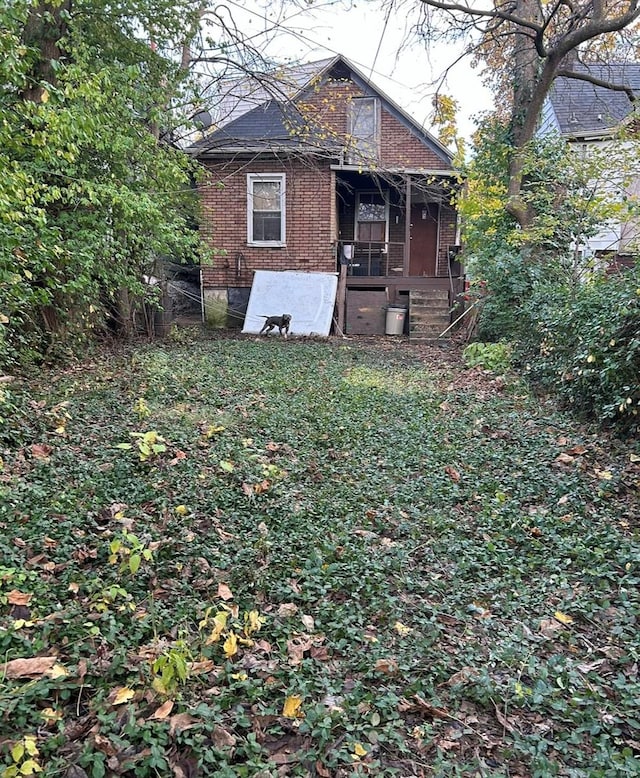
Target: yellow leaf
(252,622)
(401,629)
(122,694)
(181,510)
(562,617)
(359,749)
(230,645)
(30,767)
(50,715)
(57,671)
(220,622)
(291,708)
(17,752)
(606,475)
(44,97)
(30,745)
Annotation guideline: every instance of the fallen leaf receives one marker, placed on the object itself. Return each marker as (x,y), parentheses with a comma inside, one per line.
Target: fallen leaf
(204,666)
(14,597)
(28,668)
(564,459)
(180,722)
(224,592)
(308,622)
(505,721)
(462,676)
(230,645)
(222,738)
(291,708)
(453,474)
(562,617)
(401,628)
(163,711)
(121,695)
(386,666)
(41,451)
(247,489)
(287,609)
(549,627)
(359,749)
(297,647)
(429,709)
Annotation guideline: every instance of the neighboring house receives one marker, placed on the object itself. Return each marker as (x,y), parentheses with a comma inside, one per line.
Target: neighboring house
(331,176)
(589,116)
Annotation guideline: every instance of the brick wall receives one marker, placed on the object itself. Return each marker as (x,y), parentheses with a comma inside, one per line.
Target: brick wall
(327,108)
(447,238)
(309,220)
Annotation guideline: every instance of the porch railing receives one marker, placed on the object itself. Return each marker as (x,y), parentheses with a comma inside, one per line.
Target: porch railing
(373,258)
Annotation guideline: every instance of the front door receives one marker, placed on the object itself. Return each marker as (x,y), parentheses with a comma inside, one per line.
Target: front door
(424,240)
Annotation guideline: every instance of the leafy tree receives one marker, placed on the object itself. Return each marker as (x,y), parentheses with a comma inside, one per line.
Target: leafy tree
(91,192)
(526,45)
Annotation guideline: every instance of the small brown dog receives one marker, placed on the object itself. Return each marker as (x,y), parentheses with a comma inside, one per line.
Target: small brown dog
(281,322)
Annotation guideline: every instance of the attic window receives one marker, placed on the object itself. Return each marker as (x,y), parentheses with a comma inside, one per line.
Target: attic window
(363,129)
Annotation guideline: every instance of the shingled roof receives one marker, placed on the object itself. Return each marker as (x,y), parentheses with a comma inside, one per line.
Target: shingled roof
(277,125)
(273,126)
(582,108)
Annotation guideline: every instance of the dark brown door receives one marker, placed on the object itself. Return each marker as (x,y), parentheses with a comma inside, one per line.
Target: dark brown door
(424,240)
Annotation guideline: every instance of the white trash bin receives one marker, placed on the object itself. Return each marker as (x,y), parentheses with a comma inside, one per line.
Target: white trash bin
(395,319)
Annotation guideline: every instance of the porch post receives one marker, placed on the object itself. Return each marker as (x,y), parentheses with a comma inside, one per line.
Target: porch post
(407,226)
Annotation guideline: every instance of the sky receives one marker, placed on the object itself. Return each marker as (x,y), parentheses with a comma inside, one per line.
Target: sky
(374,43)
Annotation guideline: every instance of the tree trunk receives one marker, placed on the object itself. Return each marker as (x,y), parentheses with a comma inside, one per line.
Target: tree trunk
(44,30)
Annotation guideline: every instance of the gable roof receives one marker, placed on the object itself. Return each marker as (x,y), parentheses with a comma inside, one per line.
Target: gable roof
(271,127)
(582,108)
(278,125)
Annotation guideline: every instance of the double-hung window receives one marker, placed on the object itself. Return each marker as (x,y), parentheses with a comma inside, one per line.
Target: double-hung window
(266,209)
(364,129)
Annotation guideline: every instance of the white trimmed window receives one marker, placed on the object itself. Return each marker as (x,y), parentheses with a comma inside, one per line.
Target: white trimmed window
(266,212)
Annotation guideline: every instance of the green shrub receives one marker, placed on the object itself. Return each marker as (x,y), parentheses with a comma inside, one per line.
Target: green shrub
(491,356)
(588,346)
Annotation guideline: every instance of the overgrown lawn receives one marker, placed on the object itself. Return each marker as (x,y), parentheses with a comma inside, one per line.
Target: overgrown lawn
(243,557)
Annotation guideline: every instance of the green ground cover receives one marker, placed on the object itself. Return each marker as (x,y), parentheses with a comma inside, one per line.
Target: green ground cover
(242,557)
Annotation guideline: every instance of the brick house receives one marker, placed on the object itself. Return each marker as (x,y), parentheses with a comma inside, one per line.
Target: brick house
(333,177)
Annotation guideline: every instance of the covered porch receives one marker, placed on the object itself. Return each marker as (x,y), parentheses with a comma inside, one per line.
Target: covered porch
(397,234)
